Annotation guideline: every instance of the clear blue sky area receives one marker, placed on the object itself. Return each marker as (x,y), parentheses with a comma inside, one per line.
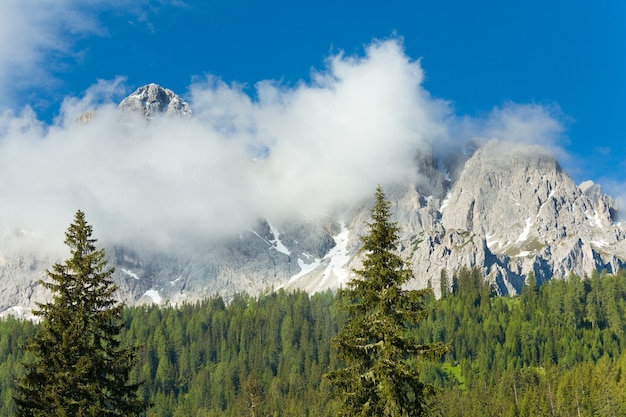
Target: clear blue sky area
(479,55)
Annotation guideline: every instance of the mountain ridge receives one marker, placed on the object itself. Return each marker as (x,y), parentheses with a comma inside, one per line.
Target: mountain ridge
(506,208)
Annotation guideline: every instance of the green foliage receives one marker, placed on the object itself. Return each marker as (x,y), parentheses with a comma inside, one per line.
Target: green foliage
(251,356)
(77,367)
(550,352)
(381,377)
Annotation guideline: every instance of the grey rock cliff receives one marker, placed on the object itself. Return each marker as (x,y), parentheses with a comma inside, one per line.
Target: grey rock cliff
(512,211)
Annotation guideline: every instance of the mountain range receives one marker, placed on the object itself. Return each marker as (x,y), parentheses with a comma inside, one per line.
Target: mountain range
(508,209)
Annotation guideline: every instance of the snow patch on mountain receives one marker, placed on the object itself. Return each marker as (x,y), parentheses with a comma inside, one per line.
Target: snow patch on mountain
(260,237)
(445,201)
(338,257)
(130,273)
(524,235)
(595,219)
(276,243)
(492,242)
(154,295)
(331,271)
(305,269)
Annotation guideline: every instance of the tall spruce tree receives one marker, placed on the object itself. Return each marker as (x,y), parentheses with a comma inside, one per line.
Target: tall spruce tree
(77,365)
(381,377)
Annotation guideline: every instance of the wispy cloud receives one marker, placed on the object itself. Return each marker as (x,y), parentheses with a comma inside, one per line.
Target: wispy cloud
(312,148)
(38,38)
(527,124)
(30,31)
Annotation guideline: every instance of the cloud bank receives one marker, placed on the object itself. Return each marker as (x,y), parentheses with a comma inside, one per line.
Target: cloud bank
(312,148)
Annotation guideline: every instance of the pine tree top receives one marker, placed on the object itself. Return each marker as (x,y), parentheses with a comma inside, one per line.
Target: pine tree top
(380,378)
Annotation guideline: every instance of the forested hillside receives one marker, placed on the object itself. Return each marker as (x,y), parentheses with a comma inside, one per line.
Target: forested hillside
(556,350)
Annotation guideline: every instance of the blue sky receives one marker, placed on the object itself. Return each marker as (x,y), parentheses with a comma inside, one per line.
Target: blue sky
(559,66)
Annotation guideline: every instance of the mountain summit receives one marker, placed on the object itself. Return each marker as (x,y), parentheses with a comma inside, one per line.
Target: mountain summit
(152,99)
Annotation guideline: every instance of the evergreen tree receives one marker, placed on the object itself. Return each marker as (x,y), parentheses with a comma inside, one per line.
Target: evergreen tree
(77,366)
(381,376)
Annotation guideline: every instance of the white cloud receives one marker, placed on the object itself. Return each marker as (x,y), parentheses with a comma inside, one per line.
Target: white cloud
(527,124)
(30,32)
(102,93)
(309,148)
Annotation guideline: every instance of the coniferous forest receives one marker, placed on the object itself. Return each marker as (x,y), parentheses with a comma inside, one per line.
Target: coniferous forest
(555,350)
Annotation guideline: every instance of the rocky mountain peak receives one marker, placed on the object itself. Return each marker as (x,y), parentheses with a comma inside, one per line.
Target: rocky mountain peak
(501,182)
(513,210)
(152,99)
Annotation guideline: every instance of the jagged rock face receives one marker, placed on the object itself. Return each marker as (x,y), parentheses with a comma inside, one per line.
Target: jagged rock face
(22,265)
(519,194)
(507,209)
(512,211)
(153,99)
(253,261)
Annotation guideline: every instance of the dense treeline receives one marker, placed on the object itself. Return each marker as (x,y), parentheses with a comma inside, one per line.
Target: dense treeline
(261,357)
(556,350)
(13,336)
